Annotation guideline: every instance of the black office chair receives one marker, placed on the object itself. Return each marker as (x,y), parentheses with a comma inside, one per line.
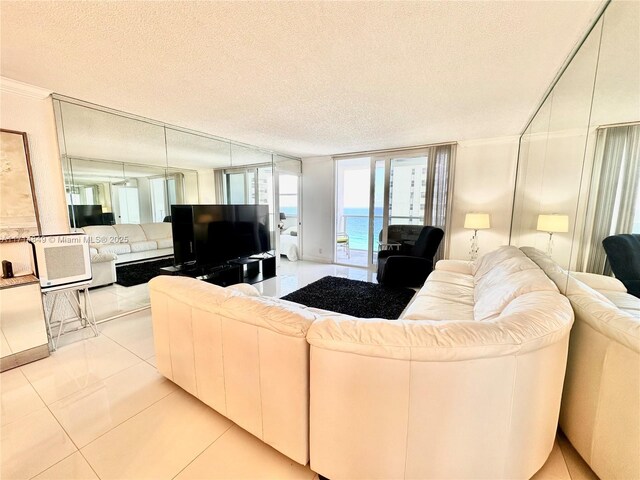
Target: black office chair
(411,267)
(623,252)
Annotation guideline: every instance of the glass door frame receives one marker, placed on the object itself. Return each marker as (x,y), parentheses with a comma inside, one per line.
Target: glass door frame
(276,206)
(374,158)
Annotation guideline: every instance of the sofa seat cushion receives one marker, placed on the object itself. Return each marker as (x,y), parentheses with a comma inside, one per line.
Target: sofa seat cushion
(458,266)
(131,232)
(117,248)
(448,291)
(426,307)
(157,231)
(624,301)
(143,246)
(451,278)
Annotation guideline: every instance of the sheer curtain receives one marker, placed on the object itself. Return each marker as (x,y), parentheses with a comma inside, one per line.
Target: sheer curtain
(439,179)
(614,192)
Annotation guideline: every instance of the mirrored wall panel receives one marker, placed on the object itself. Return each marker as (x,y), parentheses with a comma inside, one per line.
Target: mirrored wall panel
(578,168)
(123,174)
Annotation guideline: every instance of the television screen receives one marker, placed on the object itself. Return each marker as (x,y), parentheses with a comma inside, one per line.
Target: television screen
(219,233)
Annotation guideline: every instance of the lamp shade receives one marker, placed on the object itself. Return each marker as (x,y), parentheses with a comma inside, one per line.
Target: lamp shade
(283,216)
(553,223)
(477,221)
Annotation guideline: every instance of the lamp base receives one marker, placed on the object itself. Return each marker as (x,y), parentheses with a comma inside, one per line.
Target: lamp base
(473,250)
(550,245)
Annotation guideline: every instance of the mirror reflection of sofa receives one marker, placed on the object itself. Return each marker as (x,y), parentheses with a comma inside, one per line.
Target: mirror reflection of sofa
(123,243)
(600,412)
(131,242)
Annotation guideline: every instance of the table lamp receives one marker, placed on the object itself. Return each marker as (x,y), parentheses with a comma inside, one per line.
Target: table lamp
(552,223)
(475,222)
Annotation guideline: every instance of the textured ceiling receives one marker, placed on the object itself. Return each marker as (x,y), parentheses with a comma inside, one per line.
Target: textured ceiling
(305,78)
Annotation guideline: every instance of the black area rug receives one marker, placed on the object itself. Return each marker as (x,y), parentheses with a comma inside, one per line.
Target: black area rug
(353,297)
(137,273)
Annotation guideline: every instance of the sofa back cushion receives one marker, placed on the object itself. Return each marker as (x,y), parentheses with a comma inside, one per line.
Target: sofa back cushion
(485,263)
(505,282)
(132,232)
(157,231)
(567,283)
(100,235)
(615,323)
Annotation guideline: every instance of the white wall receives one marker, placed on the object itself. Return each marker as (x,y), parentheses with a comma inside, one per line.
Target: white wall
(144,200)
(484,182)
(30,109)
(318,209)
(206,187)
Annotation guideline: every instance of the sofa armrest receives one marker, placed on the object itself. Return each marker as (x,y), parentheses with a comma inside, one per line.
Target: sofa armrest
(599,282)
(235,304)
(455,266)
(245,289)
(103,257)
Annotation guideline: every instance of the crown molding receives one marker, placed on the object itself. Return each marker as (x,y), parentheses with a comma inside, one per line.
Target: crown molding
(16,87)
(489,141)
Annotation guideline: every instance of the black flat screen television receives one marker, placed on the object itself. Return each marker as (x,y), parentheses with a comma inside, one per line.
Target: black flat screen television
(211,235)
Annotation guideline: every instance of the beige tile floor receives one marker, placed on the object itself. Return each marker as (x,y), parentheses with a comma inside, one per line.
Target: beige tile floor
(97,408)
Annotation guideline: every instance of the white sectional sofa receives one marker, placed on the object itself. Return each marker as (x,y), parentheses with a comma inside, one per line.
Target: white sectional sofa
(600,412)
(132,242)
(467,384)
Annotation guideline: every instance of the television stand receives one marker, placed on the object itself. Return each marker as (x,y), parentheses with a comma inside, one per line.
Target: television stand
(241,270)
(256,269)
(222,275)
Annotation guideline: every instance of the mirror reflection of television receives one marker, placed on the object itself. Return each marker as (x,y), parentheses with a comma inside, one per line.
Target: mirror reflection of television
(210,235)
(85,215)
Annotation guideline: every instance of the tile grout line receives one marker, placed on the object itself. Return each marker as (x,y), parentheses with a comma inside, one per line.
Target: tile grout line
(89,384)
(127,419)
(79,450)
(127,349)
(203,450)
(65,432)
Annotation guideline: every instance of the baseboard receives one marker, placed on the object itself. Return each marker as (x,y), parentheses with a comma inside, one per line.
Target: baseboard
(24,357)
(310,258)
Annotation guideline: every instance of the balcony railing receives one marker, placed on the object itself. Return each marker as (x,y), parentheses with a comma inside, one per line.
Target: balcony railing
(357,227)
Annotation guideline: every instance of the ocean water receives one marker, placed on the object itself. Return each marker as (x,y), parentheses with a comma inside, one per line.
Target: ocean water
(356,221)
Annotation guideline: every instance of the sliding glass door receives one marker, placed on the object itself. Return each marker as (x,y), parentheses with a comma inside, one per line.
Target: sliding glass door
(395,188)
(353,189)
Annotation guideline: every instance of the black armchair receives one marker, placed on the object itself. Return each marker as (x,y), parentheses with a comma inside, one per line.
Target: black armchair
(623,252)
(410,268)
